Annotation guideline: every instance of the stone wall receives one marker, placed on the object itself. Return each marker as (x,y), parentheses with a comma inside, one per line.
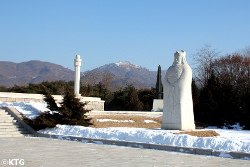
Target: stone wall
(93,103)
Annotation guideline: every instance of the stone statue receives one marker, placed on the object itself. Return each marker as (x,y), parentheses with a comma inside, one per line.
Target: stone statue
(177,102)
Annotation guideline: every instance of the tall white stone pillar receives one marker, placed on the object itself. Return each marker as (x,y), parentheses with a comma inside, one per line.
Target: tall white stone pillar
(77,64)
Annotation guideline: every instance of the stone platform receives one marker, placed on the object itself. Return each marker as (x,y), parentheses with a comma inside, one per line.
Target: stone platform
(93,103)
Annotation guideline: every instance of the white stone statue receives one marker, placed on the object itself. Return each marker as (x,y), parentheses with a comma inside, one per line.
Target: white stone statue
(177,102)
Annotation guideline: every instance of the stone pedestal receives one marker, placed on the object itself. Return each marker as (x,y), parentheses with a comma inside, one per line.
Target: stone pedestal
(157,105)
(178,104)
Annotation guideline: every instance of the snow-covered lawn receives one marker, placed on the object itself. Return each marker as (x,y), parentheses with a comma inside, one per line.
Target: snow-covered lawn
(229,140)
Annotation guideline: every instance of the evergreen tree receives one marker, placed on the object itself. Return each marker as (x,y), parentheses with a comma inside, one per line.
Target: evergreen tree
(48,98)
(209,102)
(146,96)
(118,101)
(73,110)
(133,102)
(159,88)
(196,96)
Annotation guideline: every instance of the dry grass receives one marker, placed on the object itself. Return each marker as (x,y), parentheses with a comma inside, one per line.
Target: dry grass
(204,133)
(139,122)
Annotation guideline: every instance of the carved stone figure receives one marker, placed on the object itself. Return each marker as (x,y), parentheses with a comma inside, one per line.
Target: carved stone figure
(177,101)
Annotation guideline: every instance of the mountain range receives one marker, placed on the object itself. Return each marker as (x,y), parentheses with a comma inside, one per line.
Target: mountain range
(113,75)
(32,72)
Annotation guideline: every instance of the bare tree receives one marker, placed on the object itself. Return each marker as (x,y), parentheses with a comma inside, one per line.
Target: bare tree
(204,59)
(233,69)
(246,52)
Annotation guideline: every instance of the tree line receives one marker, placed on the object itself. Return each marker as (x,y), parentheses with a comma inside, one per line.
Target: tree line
(221,92)
(125,99)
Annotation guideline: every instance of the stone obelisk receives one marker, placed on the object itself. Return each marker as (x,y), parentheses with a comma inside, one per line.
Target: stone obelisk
(77,64)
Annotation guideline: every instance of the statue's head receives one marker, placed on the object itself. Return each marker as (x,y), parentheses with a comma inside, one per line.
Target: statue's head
(180,57)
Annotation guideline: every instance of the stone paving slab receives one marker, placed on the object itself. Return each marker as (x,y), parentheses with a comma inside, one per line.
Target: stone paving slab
(200,151)
(52,152)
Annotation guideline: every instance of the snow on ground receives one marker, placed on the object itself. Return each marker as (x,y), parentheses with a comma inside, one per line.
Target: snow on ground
(114,120)
(229,140)
(29,109)
(149,121)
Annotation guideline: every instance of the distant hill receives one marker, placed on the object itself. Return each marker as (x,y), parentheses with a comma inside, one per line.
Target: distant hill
(113,75)
(116,75)
(32,72)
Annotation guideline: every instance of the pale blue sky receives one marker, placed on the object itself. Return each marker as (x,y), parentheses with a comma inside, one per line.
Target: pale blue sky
(144,32)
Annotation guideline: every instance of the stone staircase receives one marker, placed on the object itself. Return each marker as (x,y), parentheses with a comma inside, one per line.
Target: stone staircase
(9,127)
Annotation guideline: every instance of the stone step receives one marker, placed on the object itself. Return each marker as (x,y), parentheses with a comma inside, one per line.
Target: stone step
(9,124)
(10,129)
(14,132)
(4,113)
(6,117)
(17,134)
(7,121)
(11,135)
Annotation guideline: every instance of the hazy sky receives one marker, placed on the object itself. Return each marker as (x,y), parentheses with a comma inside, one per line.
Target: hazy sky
(144,32)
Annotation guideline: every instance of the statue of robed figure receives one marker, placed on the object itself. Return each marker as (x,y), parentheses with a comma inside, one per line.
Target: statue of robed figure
(177,101)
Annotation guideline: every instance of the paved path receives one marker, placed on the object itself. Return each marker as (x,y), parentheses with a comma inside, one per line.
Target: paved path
(50,152)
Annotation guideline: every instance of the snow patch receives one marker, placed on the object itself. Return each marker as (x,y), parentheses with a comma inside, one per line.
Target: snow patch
(149,121)
(127,65)
(236,126)
(29,109)
(114,120)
